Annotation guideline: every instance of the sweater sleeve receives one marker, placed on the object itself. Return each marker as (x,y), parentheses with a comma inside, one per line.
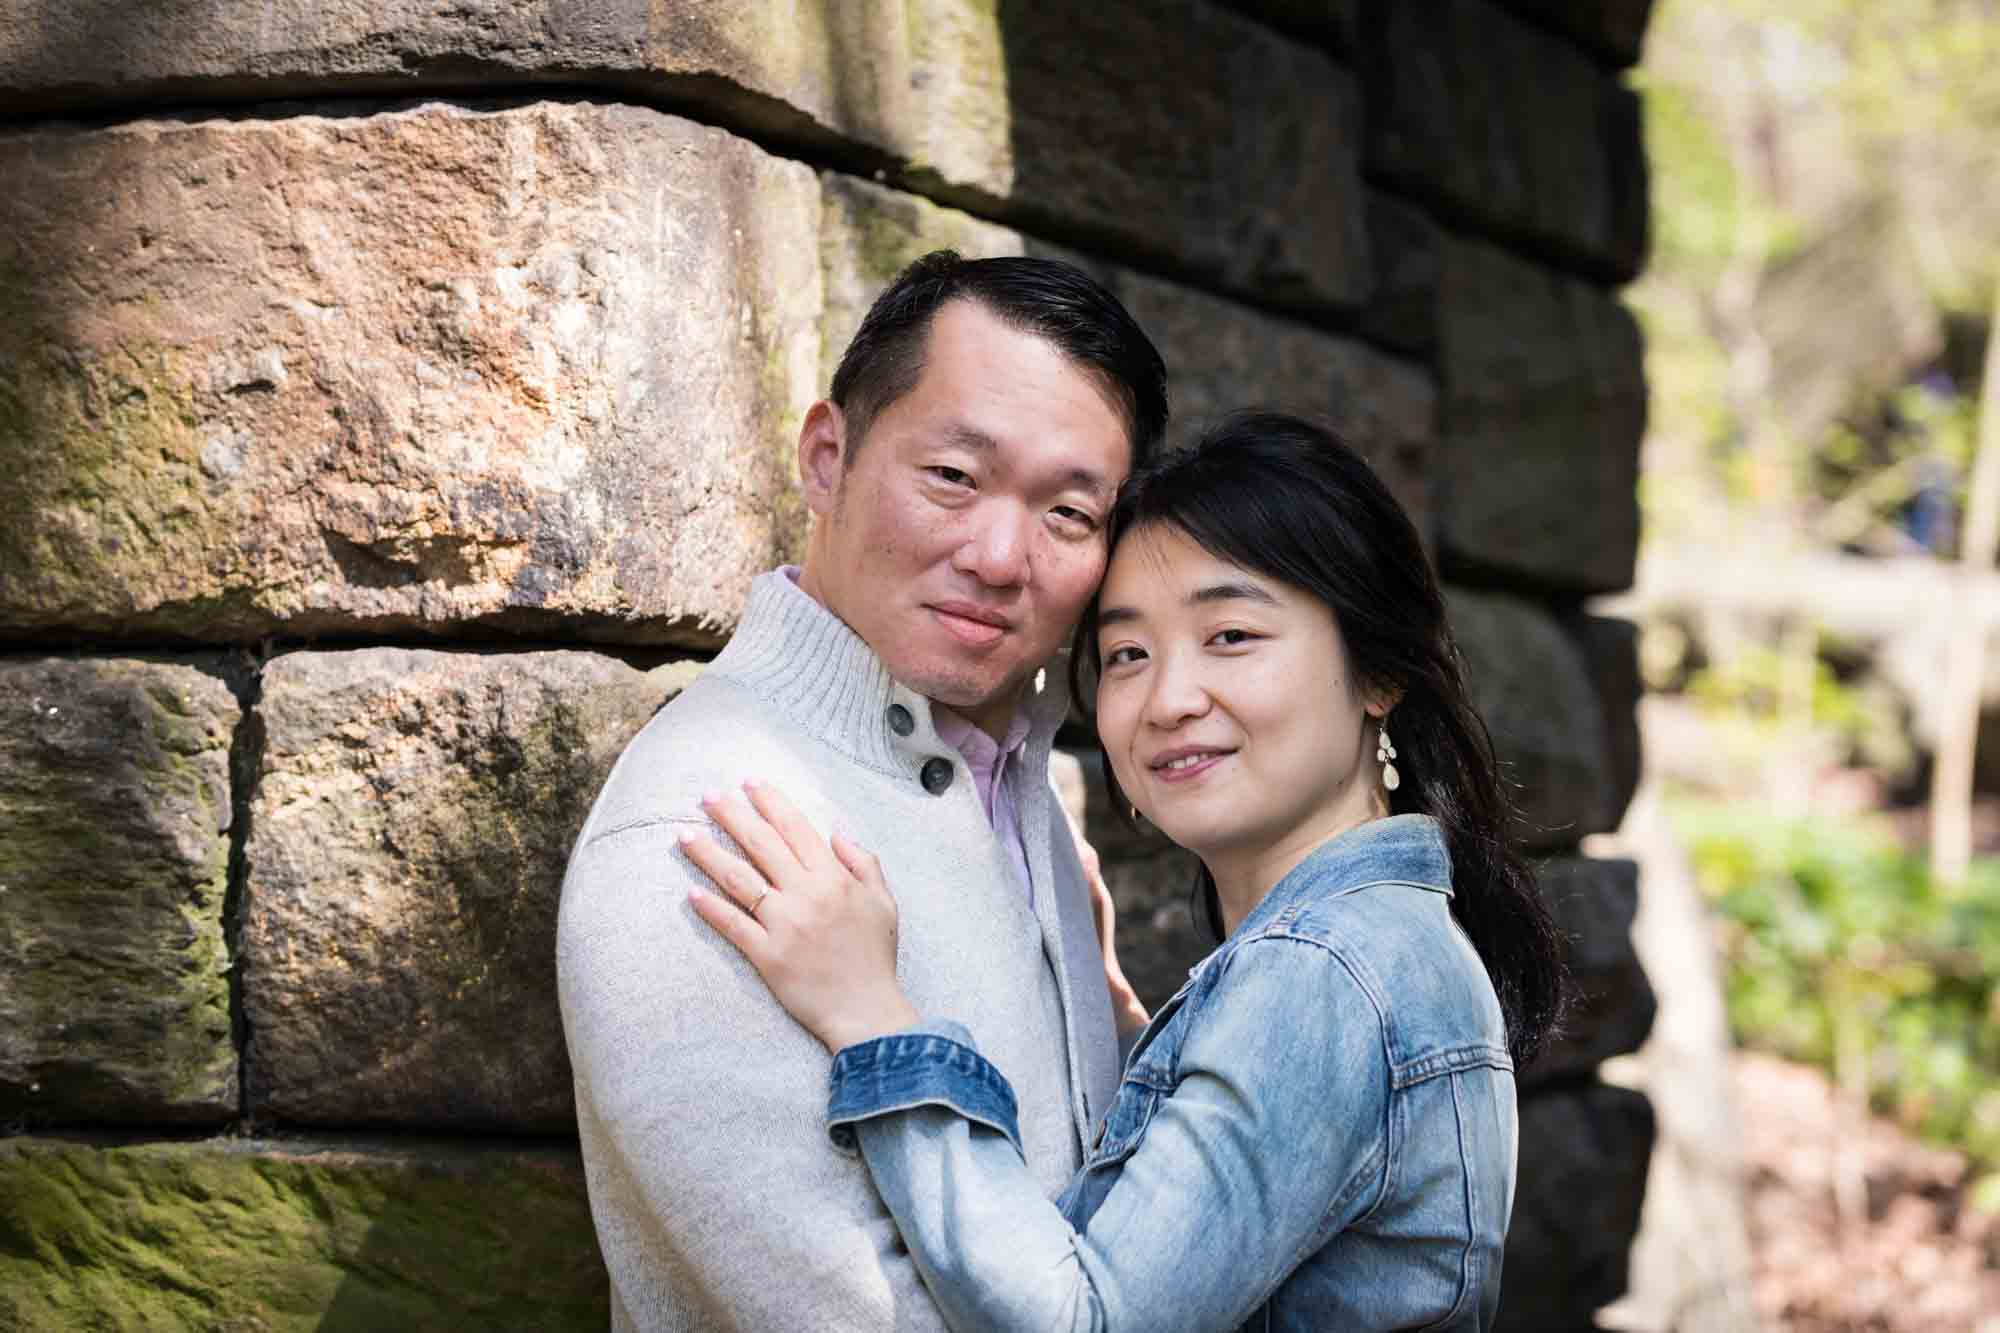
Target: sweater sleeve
(1271,1141)
(699,1103)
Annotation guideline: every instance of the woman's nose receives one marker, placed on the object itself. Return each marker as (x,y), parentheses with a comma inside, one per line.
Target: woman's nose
(1178,692)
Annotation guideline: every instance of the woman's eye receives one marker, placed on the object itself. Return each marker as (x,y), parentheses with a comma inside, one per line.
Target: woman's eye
(1121,656)
(1233,638)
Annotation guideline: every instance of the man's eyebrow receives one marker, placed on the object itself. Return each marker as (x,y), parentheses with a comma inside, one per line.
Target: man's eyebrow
(971,437)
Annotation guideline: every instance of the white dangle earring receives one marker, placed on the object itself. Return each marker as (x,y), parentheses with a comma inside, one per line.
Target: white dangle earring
(1385,754)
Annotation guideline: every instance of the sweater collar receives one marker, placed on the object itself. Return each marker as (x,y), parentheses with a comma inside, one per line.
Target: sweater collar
(804,661)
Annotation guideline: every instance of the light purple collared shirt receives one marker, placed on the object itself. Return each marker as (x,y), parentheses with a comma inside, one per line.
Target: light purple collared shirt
(988,759)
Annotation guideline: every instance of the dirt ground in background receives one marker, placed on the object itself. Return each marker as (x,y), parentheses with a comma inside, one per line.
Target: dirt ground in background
(1923,1262)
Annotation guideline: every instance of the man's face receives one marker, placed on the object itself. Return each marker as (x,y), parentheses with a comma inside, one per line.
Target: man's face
(966,534)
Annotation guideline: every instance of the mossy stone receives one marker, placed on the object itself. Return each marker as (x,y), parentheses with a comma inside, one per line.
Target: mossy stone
(115,808)
(243,1235)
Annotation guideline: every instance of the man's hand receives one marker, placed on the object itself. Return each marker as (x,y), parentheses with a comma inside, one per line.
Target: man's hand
(1126,1009)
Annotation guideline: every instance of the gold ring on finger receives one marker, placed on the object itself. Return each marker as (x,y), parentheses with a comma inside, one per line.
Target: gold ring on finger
(758,901)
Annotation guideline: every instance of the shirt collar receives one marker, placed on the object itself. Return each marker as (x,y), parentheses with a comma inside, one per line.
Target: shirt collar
(969,739)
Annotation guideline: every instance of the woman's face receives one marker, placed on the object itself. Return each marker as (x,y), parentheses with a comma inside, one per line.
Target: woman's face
(1226,705)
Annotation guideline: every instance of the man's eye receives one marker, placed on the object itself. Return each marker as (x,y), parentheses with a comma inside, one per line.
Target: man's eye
(1070,513)
(951,476)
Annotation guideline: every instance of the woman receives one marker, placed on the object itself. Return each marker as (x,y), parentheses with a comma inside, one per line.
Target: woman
(1318,1131)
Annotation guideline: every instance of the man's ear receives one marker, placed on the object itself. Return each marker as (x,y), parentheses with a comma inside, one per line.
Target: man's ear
(822,455)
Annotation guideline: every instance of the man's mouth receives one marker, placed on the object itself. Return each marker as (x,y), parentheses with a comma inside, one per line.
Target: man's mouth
(971,624)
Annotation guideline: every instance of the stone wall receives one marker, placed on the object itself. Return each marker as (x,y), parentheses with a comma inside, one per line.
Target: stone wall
(395,400)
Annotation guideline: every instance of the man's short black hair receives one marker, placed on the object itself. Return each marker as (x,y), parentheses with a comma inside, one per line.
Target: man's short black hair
(1052,300)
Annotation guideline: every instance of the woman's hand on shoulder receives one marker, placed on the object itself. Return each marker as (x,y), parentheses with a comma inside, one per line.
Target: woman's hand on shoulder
(1127,1011)
(813,917)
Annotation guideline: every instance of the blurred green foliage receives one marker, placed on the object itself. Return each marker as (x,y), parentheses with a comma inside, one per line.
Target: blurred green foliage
(1774,127)
(1842,952)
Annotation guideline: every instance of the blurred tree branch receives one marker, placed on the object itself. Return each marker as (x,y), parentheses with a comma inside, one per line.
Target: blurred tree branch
(1951,777)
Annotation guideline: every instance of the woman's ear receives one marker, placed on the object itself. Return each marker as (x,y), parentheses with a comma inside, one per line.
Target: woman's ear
(1378,700)
(822,455)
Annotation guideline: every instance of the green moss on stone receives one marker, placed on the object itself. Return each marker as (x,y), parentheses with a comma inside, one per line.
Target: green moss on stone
(112,956)
(251,1236)
(100,452)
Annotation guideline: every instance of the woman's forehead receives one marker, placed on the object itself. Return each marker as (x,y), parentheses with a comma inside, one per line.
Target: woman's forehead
(1159,564)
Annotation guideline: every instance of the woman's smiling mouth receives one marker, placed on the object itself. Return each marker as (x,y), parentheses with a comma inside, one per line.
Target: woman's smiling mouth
(1180,765)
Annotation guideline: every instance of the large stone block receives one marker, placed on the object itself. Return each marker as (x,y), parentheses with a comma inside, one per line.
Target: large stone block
(1582,1180)
(295,1236)
(1408,249)
(400,373)
(114,867)
(1334,24)
(821,69)
(1543,406)
(407,839)
(1178,130)
(1594,903)
(1174,130)
(1614,29)
(1610,650)
(1222,356)
(1509,128)
(1529,683)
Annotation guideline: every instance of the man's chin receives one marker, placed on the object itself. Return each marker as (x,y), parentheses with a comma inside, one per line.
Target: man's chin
(959,690)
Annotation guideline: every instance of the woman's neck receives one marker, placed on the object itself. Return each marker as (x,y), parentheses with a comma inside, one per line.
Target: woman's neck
(1243,879)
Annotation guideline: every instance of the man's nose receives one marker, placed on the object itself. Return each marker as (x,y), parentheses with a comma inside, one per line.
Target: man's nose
(996,549)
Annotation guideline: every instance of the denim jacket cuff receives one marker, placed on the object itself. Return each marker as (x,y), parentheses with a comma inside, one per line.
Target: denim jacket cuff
(932,1064)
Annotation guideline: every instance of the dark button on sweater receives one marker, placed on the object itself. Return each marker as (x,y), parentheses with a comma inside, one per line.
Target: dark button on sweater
(936,775)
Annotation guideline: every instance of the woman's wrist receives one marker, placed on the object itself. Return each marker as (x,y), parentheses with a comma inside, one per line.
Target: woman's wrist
(865,1020)
(1128,1012)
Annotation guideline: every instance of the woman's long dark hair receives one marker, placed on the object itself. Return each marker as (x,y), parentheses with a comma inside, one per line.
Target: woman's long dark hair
(1284,498)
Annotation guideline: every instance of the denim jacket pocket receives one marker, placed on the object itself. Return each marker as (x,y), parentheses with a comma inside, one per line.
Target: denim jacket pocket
(1150,1075)
(1131,1112)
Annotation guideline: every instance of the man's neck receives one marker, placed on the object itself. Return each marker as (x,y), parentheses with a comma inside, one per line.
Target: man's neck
(996,719)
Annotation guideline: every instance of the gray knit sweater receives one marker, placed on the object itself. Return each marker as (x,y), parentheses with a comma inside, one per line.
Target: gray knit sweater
(718,1200)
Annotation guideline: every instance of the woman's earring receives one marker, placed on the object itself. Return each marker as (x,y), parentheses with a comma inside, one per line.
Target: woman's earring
(1385,753)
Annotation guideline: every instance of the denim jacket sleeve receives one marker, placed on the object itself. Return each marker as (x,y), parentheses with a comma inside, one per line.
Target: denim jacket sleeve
(1271,1138)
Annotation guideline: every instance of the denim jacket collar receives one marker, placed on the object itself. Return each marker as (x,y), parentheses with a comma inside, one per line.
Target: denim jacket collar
(1404,849)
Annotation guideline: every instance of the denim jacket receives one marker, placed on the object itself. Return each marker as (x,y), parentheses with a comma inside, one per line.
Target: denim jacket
(1317,1132)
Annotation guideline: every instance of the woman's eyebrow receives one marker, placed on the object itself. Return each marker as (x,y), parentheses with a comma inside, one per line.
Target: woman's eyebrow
(1117,615)
(1230,592)
(1213,592)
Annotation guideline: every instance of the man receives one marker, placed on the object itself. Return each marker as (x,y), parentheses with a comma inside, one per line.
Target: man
(959,474)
